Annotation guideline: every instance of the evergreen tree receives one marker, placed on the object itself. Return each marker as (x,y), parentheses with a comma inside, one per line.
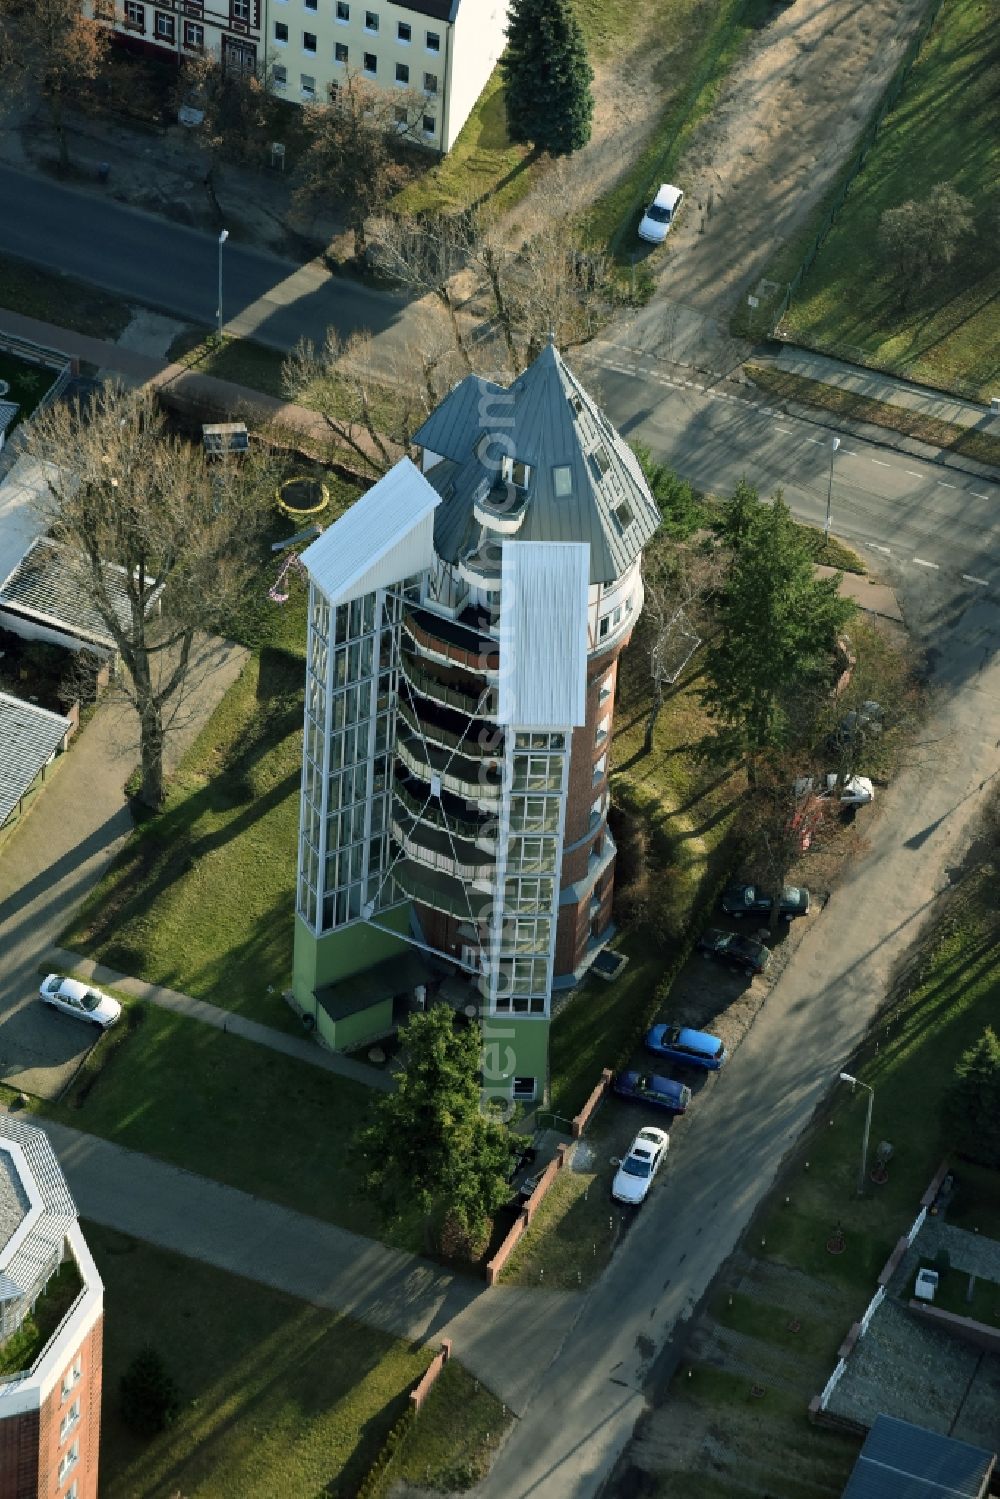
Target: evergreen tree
(432,1147)
(150,1399)
(547,77)
(777,628)
(972,1104)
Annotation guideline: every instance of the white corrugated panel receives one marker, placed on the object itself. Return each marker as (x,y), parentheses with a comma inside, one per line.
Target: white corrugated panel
(386,536)
(29,737)
(543,634)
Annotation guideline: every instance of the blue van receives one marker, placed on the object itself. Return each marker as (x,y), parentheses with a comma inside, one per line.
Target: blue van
(690,1048)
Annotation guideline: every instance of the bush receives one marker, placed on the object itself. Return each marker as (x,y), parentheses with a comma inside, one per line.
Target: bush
(150,1399)
(972,1104)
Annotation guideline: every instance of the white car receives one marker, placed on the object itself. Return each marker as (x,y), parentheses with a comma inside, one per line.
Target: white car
(660,214)
(80,1000)
(635,1174)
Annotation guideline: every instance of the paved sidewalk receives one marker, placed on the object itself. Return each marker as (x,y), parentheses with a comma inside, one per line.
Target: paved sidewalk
(223,1020)
(60,850)
(875,386)
(505,1336)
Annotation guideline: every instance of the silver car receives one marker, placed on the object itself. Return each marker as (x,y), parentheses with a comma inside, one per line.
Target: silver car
(634,1176)
(80,1000)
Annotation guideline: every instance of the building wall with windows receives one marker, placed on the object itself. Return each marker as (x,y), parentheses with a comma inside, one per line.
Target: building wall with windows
(437,56)
(175,29)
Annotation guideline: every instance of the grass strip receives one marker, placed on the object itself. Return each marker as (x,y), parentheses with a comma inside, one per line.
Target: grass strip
(964,442)
(50,297)
(239,360)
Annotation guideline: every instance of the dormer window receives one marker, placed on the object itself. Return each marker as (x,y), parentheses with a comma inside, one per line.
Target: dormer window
(562,480)
(623,515)
(515,472)
(599,458)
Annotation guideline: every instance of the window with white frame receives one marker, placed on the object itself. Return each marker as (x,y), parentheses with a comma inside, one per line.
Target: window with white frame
(600,766)
(69,1420)
(165,27)
(194,36)
(72,1377)
(135,15)
(602,729)
(562,480)
(240,12)
(68,1462)
(73,1492)
(605,689)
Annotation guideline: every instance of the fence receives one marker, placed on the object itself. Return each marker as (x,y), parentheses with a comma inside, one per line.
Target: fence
(832,1383)
(381,1472)
(522,1222)
(885,104)
(32,353)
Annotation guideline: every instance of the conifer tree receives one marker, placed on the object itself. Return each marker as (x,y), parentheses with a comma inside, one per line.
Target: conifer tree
(547,77)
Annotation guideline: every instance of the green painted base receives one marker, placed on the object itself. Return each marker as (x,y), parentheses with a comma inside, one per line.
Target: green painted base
(318,961)
(515,1047)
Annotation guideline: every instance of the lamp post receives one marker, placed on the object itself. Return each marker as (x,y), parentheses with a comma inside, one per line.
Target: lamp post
(845,1077)
(834,445)
(223,236)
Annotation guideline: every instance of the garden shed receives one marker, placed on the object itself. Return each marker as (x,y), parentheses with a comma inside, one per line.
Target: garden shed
(902,1461)
(30,738)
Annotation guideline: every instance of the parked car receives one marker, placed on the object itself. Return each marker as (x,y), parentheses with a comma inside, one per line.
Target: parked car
(659,216)
(854,791)
(750,900)
(634,1176)
(647,1087)
(690,1048)
(744,953)
(80,1001)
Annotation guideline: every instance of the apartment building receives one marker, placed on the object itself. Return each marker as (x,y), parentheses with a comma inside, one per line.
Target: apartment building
(231,31)
(466,618)
(50,1410)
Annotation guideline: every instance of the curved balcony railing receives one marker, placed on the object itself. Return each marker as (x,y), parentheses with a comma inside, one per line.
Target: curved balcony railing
(447,694)
(439,891)
(481,571)
(433,849)
(450,640)
(500,507)
(429,810)
(467,744)
(474,783)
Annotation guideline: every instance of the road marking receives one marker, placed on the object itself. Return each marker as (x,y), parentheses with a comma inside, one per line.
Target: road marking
(921,563)
(980,582)
(978,495)
(881,464)
(913,473)
(944,484)
(846,453)
(876,548)
(817,440)
(787,431)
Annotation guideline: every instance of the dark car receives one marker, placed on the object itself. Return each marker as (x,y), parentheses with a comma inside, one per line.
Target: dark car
(739,952)
(751,900)
(664,1092)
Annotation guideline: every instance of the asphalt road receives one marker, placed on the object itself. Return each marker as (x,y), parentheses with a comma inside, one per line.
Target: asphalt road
(175,269)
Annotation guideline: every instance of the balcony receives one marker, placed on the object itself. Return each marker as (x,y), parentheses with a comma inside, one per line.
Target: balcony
(473,783)
(500,507)
(440,891)
(452,640)
(412,798)
(481,570)
(434,849)
(449,694)
(431,723)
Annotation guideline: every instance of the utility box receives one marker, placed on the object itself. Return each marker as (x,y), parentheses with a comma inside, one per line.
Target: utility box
(224,437)
(927,1284)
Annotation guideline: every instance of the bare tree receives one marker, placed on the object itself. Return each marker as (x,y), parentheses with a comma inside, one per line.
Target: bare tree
(240,112)
(54,46)
(355,157)
(145,520)
(428,255)
(678,583)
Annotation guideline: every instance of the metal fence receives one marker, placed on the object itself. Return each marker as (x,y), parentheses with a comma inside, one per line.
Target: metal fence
(873,1307)
(885,104)
(918,1224)
(832,1383)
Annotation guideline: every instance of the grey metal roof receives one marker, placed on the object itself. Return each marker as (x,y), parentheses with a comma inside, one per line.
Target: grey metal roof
(543,635)
(386,536)
(903,1461)
(33,1256)
(8,411)
(29,736)
(547,420)
(13,1202)
(48,585)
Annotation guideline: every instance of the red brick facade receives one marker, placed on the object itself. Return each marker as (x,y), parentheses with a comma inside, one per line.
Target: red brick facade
(33,1443)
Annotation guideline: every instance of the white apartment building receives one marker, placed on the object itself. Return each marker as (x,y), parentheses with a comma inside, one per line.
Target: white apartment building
(442,49)
(171,30)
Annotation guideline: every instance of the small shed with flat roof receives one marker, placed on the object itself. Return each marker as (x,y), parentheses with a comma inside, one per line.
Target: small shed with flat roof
(903,1461)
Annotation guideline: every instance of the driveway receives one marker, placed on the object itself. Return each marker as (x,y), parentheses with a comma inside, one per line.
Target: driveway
(50,863)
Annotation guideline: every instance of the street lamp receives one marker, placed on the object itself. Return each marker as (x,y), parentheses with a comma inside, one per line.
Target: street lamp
(223,236)
(855,1082)
(834,445)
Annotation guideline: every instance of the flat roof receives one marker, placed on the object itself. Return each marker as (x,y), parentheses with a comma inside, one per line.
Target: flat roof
(902,1461)
(29,737)
(396,975)
(543,634)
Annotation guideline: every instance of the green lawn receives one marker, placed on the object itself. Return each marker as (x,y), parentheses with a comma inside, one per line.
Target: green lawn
(230,1109)
(58,299)
(239,360)
(23,1347)
(28,383)
(949,335)
(279,1397)
(452,1442)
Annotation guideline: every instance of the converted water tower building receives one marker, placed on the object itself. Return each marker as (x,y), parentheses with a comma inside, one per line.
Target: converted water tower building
(465,623)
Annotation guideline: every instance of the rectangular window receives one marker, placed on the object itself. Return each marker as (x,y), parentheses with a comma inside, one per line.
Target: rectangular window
(562,480)
(340,52)
(239,11)
(433,41)
(68,1461)
(281,33)
(430,83)
(403,32)
(343,10)
(600,461)
(307,84)
(194,36)
(309,41)
(135,15)
(165,27)
(371,63)
(311,4)
(430,125)
(279,75)
(623,515)
(524,1087)
(70,1419)
(371,20)
(402,73)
